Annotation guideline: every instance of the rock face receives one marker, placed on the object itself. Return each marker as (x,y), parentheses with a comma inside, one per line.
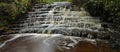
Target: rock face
(52,43)
(88,47)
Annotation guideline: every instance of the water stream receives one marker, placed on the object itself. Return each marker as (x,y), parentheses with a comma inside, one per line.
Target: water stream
(56,28)
(58,18)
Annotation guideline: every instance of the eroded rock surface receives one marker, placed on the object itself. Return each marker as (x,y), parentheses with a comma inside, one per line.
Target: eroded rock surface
(52,43)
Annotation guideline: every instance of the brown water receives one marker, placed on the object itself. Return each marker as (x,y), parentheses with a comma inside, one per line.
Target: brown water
(32,42)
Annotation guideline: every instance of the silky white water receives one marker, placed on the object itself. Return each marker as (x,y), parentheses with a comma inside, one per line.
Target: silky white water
(53,29)
(57,18)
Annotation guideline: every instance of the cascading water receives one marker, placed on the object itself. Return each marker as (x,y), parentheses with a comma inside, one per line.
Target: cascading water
(58,18)
(52,28)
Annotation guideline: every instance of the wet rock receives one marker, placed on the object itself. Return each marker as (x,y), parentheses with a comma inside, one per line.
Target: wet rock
(85,47)
(5,37)
(53,43)
(88,47)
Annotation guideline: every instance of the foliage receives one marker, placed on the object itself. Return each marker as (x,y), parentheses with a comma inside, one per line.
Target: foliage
(108,10)
(7,13)
(7,1)
(10,9)
(21,5)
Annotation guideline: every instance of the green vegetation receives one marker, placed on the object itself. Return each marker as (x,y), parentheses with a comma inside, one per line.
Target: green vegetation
(7,13)
(10,9)
(108,10)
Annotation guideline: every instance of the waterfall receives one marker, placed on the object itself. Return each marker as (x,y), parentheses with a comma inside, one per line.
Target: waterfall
(46,21)
(56,28)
